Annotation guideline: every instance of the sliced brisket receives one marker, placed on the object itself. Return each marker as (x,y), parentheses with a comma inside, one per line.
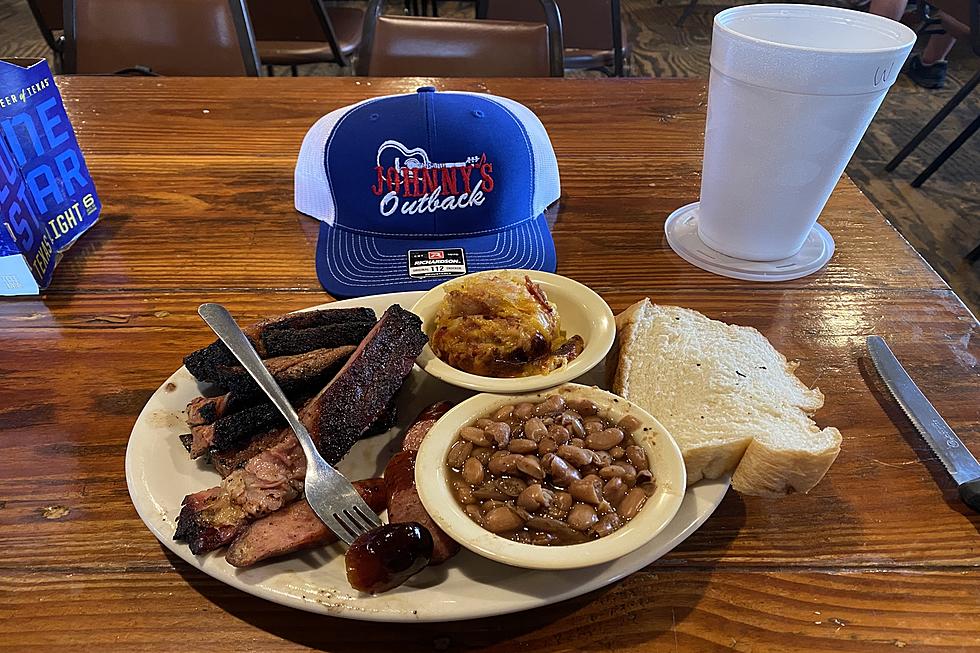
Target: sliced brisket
(336,418)
(294,528)
(213,363)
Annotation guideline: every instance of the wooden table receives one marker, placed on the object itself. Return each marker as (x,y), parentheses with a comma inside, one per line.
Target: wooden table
(196,177)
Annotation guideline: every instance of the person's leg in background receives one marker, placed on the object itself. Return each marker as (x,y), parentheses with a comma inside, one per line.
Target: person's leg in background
(927,69)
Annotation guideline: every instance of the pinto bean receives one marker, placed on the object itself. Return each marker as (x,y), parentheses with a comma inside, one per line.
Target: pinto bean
(475,435)
(482,454)
(584,407)
(614,490)
(534,497)
(500,432)
(573,422)
(504,464)
(637,457)
(490,504)
(483,423)
(604,440)
(575,455)
(504,412)
(550,406)
(561,472)
(617,452)
(547,445)
(587,490)
(629,423)
(523,410)
(629,473)
(473,471)
(544,539)
(582,517)
(646,481)
(560,505)
(534,429)
(531,466)
(593,425)
(473,511)
(522,445)
(612,471)
(606,524)
(601,458)
(502,519)
(464,493)
(458,453)
(511,486)
(631,504)
(559,433)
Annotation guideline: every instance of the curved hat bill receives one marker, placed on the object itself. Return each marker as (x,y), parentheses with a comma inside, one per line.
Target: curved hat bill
(353,264)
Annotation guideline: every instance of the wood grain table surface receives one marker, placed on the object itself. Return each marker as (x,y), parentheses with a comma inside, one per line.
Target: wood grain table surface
(196,178)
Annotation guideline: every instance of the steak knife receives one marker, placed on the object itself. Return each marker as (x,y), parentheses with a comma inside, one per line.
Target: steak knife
(956,458)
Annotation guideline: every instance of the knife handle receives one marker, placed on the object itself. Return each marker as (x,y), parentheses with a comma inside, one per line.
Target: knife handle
(970,493)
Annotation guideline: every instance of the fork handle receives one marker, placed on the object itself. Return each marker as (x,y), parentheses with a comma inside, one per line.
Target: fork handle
(224,325)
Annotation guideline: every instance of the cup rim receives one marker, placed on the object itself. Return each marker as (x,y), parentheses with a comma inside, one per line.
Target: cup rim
(894,27)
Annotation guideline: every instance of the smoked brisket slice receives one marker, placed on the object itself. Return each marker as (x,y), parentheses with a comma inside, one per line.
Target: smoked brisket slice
(336,418)
(225,462)
(212,363)
(241,414)
(367,384)
(294,528)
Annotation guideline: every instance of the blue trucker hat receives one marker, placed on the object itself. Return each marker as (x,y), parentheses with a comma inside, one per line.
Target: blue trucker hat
(415,189)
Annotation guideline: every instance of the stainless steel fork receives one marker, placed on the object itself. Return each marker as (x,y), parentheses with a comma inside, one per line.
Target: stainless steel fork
(330,494)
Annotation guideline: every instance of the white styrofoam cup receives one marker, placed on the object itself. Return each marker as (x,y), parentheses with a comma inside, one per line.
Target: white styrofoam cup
(791,92)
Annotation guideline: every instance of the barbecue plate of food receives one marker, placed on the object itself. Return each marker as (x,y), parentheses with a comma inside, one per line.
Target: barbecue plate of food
(255,532)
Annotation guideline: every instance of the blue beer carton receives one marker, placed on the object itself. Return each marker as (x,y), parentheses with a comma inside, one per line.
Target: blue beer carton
(47,197)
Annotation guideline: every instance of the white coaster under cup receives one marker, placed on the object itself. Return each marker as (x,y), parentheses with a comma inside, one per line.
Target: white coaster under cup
(681,228)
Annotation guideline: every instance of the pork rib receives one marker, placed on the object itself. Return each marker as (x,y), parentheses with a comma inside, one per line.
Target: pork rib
(331,328)
(336,418)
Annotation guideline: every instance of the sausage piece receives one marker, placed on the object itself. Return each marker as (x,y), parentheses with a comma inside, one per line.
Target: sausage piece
(426,419)
(404,505)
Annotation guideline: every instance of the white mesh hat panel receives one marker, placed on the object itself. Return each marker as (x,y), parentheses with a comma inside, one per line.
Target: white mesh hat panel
(311,190)
(547,185)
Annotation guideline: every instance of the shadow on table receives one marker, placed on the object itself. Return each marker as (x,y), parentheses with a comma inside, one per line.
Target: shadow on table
(900,420)
(530,629)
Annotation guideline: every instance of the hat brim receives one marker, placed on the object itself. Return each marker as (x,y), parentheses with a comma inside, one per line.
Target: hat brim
(352,264)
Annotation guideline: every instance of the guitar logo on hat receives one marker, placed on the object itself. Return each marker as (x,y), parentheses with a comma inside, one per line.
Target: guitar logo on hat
(431,187)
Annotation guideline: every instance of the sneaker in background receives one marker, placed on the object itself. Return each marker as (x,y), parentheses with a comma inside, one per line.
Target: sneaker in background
(927,75)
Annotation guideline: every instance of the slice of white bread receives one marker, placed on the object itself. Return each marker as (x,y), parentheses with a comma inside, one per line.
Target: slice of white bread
(727,396)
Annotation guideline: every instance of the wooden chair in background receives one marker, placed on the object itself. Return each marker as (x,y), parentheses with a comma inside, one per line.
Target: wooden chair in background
(296,32)
(593,31)
(166,37)
(396,46)
(50,18)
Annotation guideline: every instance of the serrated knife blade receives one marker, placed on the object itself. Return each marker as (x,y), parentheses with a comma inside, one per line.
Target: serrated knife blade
(950,450)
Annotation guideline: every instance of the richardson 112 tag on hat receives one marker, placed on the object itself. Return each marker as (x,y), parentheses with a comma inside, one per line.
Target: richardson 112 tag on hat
(415,189)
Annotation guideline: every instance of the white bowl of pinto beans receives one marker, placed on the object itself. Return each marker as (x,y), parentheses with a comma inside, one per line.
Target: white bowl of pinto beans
(564,478)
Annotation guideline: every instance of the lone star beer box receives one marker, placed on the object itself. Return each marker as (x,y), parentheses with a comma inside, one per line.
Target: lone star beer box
(47,197)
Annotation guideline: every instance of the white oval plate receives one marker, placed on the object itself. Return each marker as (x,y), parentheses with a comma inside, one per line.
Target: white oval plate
(159,474)
(582,311)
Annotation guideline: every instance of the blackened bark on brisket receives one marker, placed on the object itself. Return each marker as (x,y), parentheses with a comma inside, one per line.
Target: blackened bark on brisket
(211,364)
(294,373)
(285,342)
(367,384)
